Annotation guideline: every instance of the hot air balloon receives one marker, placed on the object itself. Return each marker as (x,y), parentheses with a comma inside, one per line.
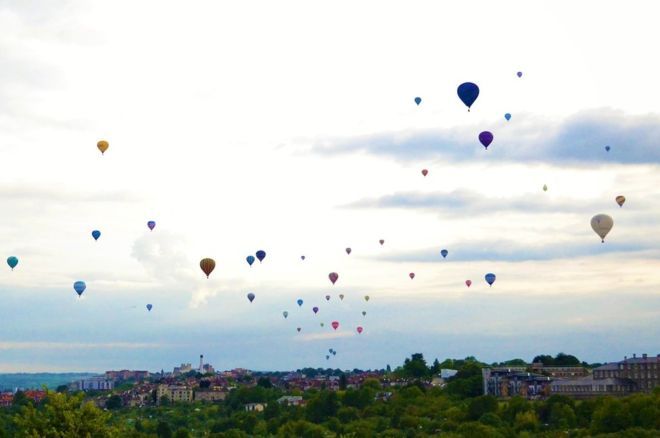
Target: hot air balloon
(507,116)
(12,262)
(315,310)
(327,297)
(96,234)
(607,148)
(620,200)
(322,325)
(425,172)
(366,298)
(468,93)
(329,350)
(519,74)
(261,255)
(335,324)
(334,352)
(468,283)
(302,257)
(359,330)
(149,307)
(602,224)
(79,287)
(490,278)
(381,241)
(250,296)
(411,275)
(299,301)
(348,251)
(364,313)
(545,188)
(103,146)
(444,253)
(418,100)
(327,357)
(341,296)
(333,276)
(486,138)
(285,314)
(250,259)
(151,225)
(207,265)
(298,329)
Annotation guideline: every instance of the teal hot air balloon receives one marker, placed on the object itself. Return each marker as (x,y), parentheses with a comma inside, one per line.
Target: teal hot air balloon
(12,262)
(418,100)
(249,259)
(79,287)
(285,314)
(299,301)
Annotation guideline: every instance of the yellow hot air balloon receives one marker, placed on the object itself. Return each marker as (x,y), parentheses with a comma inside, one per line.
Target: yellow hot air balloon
(620,200)
(602,224)
(103,146)
(207,265)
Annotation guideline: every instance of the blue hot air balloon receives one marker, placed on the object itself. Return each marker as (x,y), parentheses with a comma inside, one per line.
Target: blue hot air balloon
(300,302)
(96,234)
(327,357)
(507,116)
(468,93)
(12,262)
(149,306)
(250,296)
(418,100)
(486,138)
(261,255)
(444,253)
(519,74)
(151,225)
(79,287)
(250,259)
(490,278)
(607,148)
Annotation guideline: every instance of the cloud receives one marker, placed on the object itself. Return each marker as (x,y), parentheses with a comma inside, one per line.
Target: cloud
(326,336)
(578,139)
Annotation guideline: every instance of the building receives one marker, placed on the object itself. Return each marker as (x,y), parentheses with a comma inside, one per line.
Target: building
(255,407)
(6,399)
(184,368)
(175,393)
(507,382)
(589,386)
(97,383)
(572,372)
(291,400)
(209,395)
(126,375)
(643,372)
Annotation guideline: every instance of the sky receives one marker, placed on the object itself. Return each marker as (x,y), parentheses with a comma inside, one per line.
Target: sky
(291,127)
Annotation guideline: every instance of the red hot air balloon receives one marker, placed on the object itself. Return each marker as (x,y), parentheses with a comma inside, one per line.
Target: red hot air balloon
(359,330)
(348,251)
(425,172)
(411,275)
(335,324)
(381,241)
(333,276)
(468,283)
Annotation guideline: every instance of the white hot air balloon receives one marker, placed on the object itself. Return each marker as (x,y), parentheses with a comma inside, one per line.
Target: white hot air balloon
(602,224)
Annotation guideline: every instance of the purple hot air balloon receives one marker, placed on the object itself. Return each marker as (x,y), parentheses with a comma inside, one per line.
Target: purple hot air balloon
(333,276)
(151,225)
(315,309)
(519,74)
(486,138)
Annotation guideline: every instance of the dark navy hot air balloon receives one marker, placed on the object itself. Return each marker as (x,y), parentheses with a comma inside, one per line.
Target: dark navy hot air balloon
(607,148)
(79,287)
(250,296)
(486,138)
(490,278)
(444,253)
(418,100)
(519,74)
(315,310)
(151,225)
(300,302)
(261,255)
(468,93)
(250,259)
(507,116)
(149,306)
(12,262)
(96,234)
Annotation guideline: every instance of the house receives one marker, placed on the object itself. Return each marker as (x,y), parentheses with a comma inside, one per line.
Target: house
(291,400)
(255,407)
(643,371)
(6,399)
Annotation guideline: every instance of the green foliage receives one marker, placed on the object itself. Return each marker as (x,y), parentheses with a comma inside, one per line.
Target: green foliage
(114,402)
(481,405)
(560,360)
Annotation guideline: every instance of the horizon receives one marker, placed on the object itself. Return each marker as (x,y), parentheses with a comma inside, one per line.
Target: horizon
(293,129)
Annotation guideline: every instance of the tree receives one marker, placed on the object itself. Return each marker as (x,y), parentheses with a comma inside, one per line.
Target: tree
(62,388)
(114,402)
(164,400)
(435,369)
(415,367)
(481,405)
(163,430)
(264,382)
(205,384)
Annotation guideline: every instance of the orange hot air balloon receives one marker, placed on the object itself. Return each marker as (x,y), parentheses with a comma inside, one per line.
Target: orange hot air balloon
(103,146)
(207,265)
(425,172)
(620,200)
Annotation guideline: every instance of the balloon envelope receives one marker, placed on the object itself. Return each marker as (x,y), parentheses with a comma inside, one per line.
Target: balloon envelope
(149,307)
(418,100)
(327,297)
(327,356)
(468,93)
(261,255)
(285,314)
(607,148)
(468,283)
(507,116)
(12,262)
(249,259)
(545,188)
(96,234)
(341,296)
(364,313)
(151,225)
(620,200)
(366,298)
(348,250)
(444,253)
(298,329)
(335,324)
(300,302)
(207,265)
(602,224)
(250,296)
(425,172)
(315,310)
(490,278)
(79,287)
(333,276)
(519,74)
(381,241)
(334,353)
(486,138)
(103,146)
(359,329)
(411,275)
(302,257)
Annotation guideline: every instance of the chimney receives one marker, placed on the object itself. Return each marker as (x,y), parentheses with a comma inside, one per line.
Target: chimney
(201,360)
(644,356)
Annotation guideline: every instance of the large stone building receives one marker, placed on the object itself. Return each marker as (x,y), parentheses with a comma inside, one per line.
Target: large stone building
(572,372)
(175,393)
(97,383)
(643,372)
(509,382)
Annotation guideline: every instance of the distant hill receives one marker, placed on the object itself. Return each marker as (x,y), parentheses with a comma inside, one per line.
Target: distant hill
(9,382)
